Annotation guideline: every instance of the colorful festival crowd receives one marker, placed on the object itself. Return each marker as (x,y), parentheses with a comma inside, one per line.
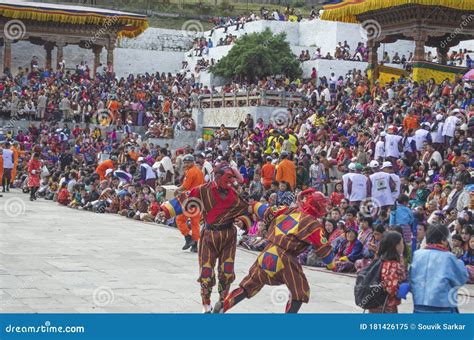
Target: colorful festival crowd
(395,163)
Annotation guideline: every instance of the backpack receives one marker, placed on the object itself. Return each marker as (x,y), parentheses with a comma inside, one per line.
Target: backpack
(369,291)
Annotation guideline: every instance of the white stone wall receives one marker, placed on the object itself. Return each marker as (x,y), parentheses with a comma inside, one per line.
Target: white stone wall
(126,60)
(325,67)
(142,54)
(160,39)
(180,140)
(232,116)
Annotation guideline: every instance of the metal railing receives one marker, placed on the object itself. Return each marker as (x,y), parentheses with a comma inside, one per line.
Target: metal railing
(241,99)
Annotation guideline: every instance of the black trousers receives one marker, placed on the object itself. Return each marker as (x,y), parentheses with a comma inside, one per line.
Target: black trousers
(6,179)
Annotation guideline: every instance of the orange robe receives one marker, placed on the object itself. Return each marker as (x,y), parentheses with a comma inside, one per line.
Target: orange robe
(102,168)
(286,171)
(192,179)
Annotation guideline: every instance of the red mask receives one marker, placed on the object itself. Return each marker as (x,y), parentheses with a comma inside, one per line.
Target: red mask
(226,180)
(314,204)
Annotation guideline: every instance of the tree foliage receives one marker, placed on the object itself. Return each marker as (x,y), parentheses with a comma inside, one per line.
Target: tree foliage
(257,55)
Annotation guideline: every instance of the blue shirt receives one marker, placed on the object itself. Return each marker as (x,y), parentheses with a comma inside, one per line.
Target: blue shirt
(402,216)
(435,276)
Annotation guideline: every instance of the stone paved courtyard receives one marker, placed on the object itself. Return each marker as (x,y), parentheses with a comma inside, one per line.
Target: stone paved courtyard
(59,260)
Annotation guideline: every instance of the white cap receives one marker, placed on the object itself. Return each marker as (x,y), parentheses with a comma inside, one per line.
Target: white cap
(386,164)
(140,159)
(108,172)
(352,166)
(374,164)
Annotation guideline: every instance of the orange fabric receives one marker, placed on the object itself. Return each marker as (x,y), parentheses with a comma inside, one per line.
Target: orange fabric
(133,155)
(166,106)
(193,178)
(286,171)
(410,122)
(183,227)
(140,95)
(267,173)
(102,168)
(16,154)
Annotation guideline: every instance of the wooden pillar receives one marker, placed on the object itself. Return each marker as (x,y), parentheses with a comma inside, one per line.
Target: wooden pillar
(110,53)
(420,40)
(60,53)
(7,54)
(49,49)
(373,59)
(97,50)
(442,55)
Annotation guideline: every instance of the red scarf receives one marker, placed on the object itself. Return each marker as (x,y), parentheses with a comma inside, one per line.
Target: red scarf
(439,247)
(349,247)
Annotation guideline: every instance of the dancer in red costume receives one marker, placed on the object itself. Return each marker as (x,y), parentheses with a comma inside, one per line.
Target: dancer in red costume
(221,206)
(290,232)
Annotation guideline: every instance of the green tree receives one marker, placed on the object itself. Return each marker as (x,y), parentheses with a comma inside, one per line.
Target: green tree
(257,55)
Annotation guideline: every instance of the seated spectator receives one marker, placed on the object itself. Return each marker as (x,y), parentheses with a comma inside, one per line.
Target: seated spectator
(284,194)
(370,252)
(348,251)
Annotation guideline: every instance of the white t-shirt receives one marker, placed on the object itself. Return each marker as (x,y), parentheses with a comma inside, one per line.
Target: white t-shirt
(150,174)
(207,170)
(436,156)
(345,180)
(379,150)
(450,125)
(398,183)
(437,136)
(359,188)
(381,192)
(420,137)
(325,95)
(391,145)
(7,159)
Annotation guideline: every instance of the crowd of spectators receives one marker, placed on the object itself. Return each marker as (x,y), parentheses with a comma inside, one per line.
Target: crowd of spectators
(160,99)
(395,157)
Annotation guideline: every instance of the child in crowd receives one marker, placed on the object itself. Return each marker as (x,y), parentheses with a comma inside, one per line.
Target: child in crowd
(468,259)
(457,248)
(153,209)
(393,272)
(63,195)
